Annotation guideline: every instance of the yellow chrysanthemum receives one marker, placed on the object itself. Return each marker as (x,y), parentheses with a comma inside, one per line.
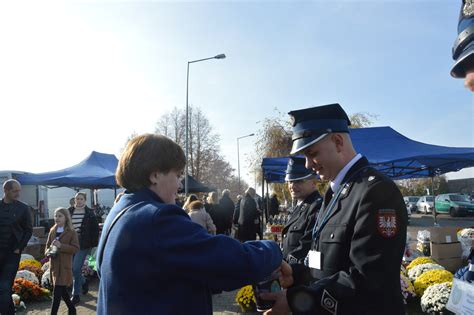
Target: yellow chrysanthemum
(246,298)
(431,277)
(29,262)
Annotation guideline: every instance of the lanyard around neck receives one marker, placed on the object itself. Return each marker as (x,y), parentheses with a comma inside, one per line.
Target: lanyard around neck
(323,219)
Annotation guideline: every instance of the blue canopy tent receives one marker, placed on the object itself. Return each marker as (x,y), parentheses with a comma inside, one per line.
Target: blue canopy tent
(96,171)
(194,186)
(393,154)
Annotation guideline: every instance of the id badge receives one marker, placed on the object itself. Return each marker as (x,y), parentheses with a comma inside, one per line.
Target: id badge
(314,259)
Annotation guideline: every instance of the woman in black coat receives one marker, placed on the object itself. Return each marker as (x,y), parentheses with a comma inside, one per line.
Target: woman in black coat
(226,207)
(248,217)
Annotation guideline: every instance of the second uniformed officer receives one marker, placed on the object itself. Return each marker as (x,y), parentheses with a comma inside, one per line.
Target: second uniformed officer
(297,232)
(463,49)
(360,233)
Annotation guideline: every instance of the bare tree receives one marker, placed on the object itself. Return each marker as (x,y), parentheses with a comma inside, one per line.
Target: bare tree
(206,163)
(133,135)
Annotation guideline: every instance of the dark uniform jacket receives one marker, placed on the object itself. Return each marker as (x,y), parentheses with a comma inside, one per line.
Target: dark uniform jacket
(89,236)
(297,233)
(361,246)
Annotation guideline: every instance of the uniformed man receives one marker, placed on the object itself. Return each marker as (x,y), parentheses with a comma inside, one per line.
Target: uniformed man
(360,233)
(297,232)
(463,48)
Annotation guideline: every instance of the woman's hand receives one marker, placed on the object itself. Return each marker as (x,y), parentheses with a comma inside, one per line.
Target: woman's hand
(286,275)
(281,304)
(56,243)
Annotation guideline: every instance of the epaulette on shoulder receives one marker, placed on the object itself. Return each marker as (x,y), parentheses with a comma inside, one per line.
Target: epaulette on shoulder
(371,176)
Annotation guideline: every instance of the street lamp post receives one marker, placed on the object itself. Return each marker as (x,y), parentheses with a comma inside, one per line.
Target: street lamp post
(238,156)
(221,56)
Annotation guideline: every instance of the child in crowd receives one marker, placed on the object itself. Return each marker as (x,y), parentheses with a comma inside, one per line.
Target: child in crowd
(62,244)
(199,215)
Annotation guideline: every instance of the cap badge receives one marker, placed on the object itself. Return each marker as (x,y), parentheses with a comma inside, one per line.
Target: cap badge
(292,120)
(468,9)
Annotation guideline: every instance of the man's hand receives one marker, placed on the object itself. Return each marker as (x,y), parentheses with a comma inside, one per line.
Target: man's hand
(281,304)
(286,275)
(16,251)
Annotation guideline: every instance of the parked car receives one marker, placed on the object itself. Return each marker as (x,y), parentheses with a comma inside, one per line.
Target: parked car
(425,204)
(454,204)
(410,203)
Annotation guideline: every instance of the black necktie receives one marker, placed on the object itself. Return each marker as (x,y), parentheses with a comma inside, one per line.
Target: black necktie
(328,196)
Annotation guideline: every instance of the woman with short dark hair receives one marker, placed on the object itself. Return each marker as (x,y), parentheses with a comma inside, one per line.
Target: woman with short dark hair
(154,259)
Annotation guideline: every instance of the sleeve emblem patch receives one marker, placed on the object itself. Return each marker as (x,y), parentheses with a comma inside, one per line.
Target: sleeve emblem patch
(329,303)
(387,223)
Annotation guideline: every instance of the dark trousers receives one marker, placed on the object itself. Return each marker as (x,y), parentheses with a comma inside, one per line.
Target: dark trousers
(8,267)
(60,291)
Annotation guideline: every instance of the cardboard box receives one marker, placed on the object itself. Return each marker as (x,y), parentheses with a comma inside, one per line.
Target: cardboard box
(443,234)
(411,235)
(451,264)
(38,231)
(43,240)
(450,250)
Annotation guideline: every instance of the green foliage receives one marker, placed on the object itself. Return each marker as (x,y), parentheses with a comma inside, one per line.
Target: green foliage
(419,186)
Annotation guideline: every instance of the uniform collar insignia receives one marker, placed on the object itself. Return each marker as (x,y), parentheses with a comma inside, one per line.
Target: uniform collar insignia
(345,189)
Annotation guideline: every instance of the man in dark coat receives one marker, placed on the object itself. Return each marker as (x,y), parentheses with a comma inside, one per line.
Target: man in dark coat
(353,266)
(274,205)
(15,231)
(297,233)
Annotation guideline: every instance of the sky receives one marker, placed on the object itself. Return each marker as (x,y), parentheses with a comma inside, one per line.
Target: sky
(83,76)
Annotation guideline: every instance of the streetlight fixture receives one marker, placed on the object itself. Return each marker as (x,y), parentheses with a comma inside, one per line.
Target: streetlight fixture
(220,56)
(238,156)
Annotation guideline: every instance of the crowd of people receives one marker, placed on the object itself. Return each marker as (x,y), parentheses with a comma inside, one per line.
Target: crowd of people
(338,255)
(335,252)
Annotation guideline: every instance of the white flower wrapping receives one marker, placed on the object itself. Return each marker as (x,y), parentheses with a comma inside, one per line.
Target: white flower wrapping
(436,297)
(418,270)
(46,266)
(16,299)
(27,275)
(46,279)
(466,238)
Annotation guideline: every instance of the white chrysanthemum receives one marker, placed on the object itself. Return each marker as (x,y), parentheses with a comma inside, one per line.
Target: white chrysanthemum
(27,275)
(418,270)
(26,256)
(436,297)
